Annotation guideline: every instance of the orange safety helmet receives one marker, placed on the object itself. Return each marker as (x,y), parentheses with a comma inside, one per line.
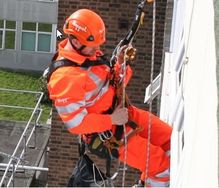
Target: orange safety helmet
(86,26)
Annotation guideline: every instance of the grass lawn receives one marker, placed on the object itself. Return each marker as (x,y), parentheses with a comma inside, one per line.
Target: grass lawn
(20,81)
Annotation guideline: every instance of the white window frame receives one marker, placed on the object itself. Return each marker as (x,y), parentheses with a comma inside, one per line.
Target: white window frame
(52,33)
(172,101)
(3,36)
(4,29)
(48,1)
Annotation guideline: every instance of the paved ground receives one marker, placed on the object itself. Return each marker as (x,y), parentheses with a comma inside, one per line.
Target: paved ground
(10,133)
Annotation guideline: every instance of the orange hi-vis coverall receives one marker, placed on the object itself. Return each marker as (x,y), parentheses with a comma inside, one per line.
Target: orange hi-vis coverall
(81,95)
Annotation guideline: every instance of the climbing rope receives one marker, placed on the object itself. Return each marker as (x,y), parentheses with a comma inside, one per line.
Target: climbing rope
(124,126)
(129,55)
(123,105)
(150,93)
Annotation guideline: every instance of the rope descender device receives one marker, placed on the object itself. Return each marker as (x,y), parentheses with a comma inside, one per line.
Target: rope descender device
(127,40)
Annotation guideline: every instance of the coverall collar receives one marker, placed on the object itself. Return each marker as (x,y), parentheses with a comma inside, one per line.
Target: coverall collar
(73,55)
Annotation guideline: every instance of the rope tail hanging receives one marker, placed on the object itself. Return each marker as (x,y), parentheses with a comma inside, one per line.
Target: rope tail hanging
(150,92)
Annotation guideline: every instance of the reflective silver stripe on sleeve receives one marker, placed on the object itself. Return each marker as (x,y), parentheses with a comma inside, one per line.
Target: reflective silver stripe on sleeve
(155,183)
(70,107)
(165,173)
(100,94)
(98,82)
(76,120)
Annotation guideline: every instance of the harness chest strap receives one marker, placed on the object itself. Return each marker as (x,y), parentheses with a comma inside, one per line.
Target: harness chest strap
(55,64)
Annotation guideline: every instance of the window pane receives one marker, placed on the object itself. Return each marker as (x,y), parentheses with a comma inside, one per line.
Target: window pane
(10,24)
(44,42)
(29,26)
(28,41)
(1,35)
(1,23)
(10,40)
(45,27)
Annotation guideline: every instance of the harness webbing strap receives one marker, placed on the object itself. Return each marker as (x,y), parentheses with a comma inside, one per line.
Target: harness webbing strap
(119,129)
(55,64)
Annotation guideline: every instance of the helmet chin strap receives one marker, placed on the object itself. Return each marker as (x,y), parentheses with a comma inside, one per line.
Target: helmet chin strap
(79,50)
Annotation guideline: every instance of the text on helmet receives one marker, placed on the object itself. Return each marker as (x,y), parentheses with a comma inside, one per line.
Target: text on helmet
(78,27)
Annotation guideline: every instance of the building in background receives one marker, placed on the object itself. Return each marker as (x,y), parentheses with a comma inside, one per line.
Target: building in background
(27,33)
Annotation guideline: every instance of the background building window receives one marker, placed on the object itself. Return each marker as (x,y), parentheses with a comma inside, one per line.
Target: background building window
(1,33)
(28,41)
(44,41)
(7,34)
(36,37)
(1,36)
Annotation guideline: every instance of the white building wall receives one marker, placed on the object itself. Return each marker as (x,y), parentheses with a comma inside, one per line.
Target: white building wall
(189,95)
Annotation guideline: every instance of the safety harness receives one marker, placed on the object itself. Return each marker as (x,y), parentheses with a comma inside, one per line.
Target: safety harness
(106,144)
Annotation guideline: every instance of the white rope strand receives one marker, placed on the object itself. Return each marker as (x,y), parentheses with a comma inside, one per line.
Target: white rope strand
(150,93)
(124,126)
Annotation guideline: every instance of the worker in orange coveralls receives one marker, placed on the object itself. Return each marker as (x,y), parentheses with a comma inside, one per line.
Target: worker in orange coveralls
(82,95)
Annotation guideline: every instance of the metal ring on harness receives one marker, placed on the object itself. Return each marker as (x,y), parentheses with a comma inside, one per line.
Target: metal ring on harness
(106,135)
